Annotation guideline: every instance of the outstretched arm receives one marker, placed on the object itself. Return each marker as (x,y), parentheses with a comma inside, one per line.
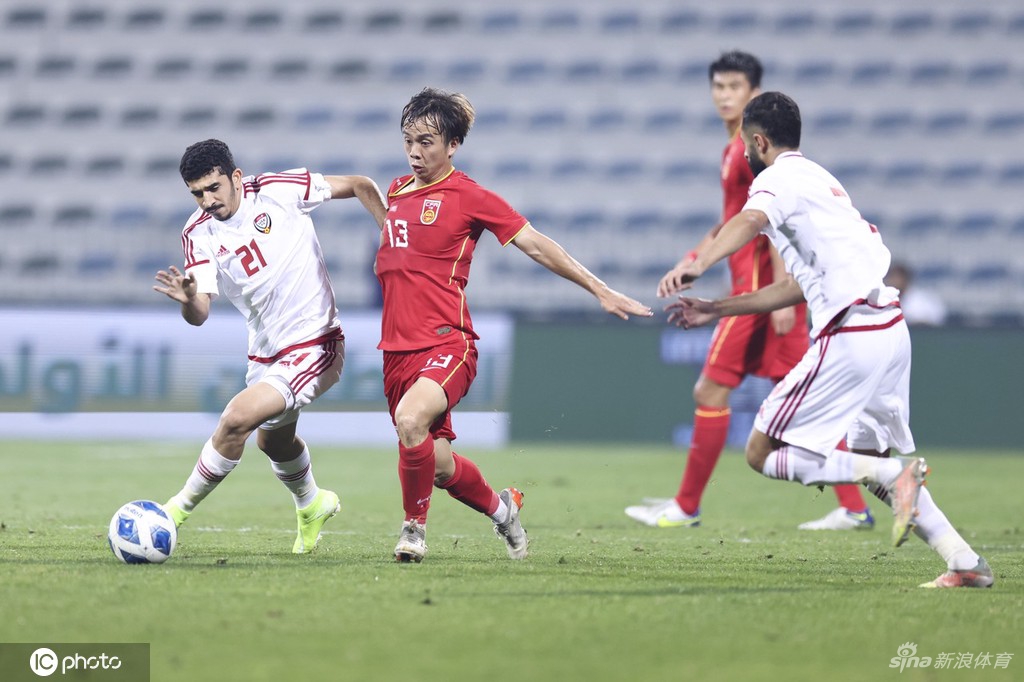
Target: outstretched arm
(548,253)
(783,319)
(739,230)
(697,312)
(195,307)
(364,189)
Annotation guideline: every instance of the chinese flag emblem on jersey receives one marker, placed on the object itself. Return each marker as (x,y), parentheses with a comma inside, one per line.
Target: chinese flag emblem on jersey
(430,209)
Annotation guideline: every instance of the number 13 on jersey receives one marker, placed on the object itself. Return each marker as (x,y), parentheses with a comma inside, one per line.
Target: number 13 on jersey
(398,234)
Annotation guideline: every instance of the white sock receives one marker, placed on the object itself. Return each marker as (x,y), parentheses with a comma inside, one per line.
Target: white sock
(501,512)
(793,463)
(297,476)
(934,528)
(210,470)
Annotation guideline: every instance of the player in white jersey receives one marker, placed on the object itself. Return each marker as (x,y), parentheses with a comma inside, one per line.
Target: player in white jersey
(252,239)
(854,380)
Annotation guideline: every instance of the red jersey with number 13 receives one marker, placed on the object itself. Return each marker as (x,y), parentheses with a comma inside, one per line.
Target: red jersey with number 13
(425,253)
(751,266)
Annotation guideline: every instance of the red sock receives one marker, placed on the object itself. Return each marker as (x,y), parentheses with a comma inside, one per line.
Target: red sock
(416,473)
(467,485)
(710,430)
(849,495)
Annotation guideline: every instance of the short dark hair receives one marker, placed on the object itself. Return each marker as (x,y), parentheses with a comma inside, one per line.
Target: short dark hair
(778,117)
(742,62)
(450,113)
(203,158)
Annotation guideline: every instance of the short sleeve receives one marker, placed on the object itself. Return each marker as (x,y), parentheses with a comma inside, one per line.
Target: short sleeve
(493,213)
(295,187)
(773,197)
(198,262)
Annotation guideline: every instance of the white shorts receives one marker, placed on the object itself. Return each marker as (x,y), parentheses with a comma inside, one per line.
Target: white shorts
(301,376)
(854,381)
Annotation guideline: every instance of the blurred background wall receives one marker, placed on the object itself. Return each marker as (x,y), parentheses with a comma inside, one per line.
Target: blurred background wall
(594,120)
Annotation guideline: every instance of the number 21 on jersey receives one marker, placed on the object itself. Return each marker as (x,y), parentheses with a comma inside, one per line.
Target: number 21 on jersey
(398,234)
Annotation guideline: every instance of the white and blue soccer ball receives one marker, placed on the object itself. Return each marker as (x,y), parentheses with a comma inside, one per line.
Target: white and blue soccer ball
(141,532)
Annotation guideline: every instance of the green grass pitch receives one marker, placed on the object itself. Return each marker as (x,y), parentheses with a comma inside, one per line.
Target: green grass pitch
(745,597)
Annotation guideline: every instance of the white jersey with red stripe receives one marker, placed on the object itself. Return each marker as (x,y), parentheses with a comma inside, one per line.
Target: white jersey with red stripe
(835,255)
(267,260)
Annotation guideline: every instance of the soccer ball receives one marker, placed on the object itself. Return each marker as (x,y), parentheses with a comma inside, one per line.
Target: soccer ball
(141,532)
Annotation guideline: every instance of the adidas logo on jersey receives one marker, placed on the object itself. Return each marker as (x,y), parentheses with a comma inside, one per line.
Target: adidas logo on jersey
(222,251)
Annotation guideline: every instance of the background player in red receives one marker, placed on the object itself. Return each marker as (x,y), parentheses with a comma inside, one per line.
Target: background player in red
(766,345)
(435,218)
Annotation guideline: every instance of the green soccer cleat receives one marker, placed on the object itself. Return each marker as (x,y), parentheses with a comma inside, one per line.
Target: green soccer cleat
(177,514)
(312,518)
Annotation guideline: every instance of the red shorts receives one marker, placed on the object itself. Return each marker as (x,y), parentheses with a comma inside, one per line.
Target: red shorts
(451,365)
(746,344)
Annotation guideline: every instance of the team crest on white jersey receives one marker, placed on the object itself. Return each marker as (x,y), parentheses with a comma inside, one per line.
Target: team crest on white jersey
(262,223)
(431,207)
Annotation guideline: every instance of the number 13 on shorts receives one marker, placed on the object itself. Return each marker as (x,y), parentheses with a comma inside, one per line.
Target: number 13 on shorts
(440,361)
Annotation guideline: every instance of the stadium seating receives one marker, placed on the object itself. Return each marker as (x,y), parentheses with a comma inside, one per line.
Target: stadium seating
(592,115)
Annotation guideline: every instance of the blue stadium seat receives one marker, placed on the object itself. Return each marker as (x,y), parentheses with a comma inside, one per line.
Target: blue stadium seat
(681,20)
(139,116)
(560,20)
(513,168)
(384,21)
(442,21)
(603,119)
(132,217)
(694,71)
(149,263)
(113,67)
(373,118)
(256,117)
(467,69)
(26,18)
(81,115)
(161,166)
(891,122)
(547,119)
(568,169)
(687,170)
(621,20)
(172,67)
(585,219)
(919,224)
(8,66)
(912,22)
(871,73)
(799,21)
(987,74)
(1004,123)
(56,66)
(314,117)
(206,20)
(198,116)
(6,162)
(905,172)
(262,20)
(291,69)
(526,71)
(501,21)
(971,22)
(975,224)
(697,221)
(932,274)
(664,120)
(855,21)
(851,171)
(492,118)
(324,20)
(105,165)
(586,70)
(1011,173)
(834,122)
(962,172)
(145,19)
(17,215)
(947,122)
(988,274)
(74,215)
(342,165)
(97,264)
(348,69)
(644,220)
(738,21)
(641,70)
(40,265)
(25,115)
(86,18)
(931,73)
(389,170)
(407,69)
(624,169)
(814,72)
(1015,24)
(230,67)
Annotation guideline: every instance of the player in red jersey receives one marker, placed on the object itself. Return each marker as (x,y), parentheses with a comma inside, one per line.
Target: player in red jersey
(435,217)
(766,345)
